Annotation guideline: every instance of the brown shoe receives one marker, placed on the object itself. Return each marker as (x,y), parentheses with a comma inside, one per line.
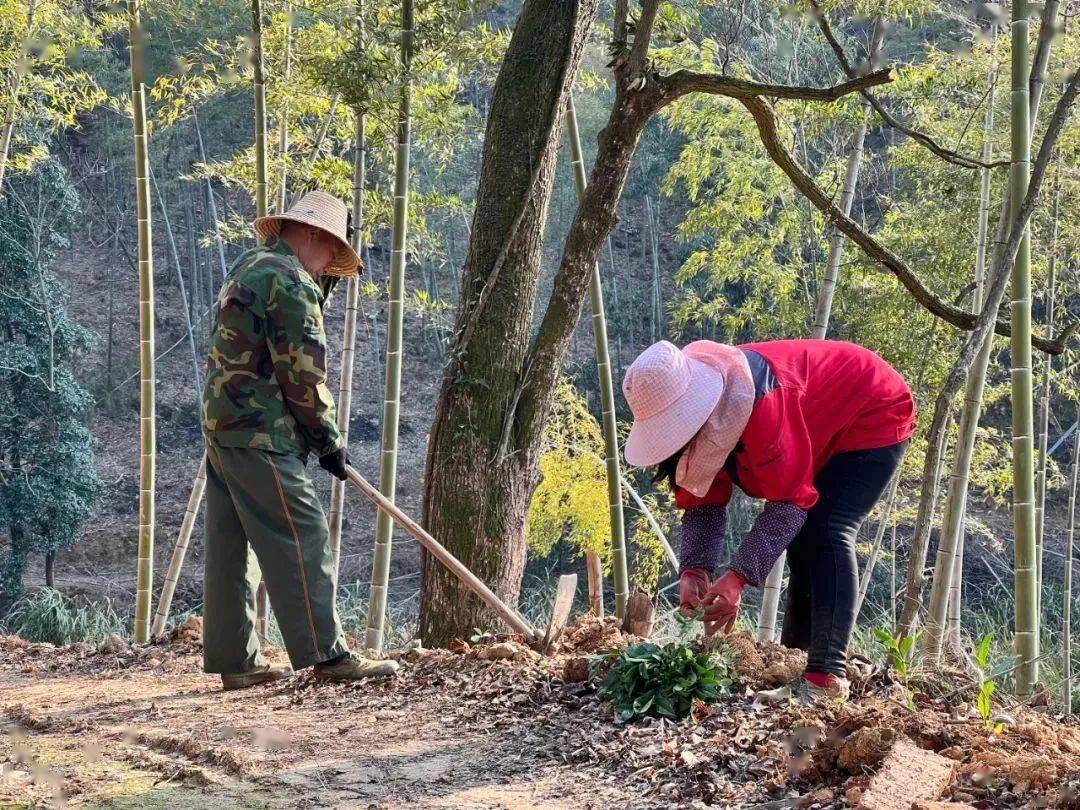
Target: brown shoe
(253,677)
(355,668)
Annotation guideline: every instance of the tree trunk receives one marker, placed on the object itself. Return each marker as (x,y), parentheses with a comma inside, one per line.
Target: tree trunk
(384,525)
(50,569)
(145,572)
(607,392)
(1026,639)
(480,475)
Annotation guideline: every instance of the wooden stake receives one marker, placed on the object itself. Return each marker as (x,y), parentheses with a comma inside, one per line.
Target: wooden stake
(172,576)
(512,618)
(560,611)
(596,584)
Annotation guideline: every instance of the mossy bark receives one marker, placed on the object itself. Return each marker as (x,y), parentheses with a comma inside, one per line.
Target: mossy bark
(479,480)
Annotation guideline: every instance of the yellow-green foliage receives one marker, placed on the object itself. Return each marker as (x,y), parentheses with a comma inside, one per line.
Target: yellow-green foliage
(649,555)
(571,501)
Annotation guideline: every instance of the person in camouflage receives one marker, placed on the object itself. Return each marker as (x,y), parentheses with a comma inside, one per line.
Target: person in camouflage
(266,407)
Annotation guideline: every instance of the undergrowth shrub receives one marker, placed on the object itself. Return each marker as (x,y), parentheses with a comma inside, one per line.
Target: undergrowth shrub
(46,615)
(649,680)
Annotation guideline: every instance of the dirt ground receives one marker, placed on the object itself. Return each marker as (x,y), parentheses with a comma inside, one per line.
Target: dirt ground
(121,727)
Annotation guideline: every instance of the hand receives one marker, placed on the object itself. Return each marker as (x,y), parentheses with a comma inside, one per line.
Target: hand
(334,463)
(721,603)
(693,585)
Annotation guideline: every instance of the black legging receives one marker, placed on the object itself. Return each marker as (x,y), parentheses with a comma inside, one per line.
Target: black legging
(824,573)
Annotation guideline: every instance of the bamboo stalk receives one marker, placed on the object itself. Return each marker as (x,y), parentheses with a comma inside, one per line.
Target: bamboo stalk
(262,598)
(183,539)
(892,577)
(384,527)
(512,618)
(1047,385)
(672,558)
(180,283)
(879,541)
(952,522)
(348,350)
(259,88)
(1026,638)
(283,118)
(10,115)
(211,203)
(823,308)
(1066,622)
(956,587)
(608,423)
(147,441)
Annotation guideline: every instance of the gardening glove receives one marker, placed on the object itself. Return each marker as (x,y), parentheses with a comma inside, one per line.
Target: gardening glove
(721,603)
(693,585)
(334,463)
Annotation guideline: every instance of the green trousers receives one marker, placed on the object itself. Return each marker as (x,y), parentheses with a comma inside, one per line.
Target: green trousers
(262,514)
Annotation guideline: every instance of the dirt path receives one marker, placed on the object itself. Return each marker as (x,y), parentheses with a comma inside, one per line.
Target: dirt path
(165,737)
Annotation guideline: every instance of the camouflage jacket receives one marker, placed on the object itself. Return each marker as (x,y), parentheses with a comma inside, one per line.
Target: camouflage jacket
(265,385)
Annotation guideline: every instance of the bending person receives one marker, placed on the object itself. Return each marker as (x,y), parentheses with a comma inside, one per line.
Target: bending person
(266,407)
(816,428)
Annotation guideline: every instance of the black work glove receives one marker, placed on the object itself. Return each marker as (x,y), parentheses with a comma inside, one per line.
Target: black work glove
(334,463)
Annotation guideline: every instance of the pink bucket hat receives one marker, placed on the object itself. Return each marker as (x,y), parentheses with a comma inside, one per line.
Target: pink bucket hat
(673,394)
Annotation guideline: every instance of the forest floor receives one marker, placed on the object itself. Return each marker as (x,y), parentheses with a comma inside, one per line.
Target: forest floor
(120,726)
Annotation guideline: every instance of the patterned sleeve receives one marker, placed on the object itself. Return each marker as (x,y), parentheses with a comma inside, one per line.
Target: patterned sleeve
(294,334)
(768,538)
(702,537)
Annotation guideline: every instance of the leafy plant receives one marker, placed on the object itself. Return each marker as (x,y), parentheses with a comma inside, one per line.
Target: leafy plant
(46,615)
(988,686)
(649,680)
(898,651)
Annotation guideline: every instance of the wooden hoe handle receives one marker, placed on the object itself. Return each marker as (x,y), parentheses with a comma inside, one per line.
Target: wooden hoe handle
(512,618)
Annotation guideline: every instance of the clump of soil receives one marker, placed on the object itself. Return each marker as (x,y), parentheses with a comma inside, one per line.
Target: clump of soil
(592,635)
(188,632)
(758,664)
(576,669)
(865,748)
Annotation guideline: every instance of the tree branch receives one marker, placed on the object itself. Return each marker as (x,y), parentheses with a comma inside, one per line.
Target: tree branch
(639,51)
(766,123)
(683,82)
(942,152)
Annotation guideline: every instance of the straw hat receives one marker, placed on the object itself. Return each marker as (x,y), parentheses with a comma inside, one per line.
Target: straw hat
(324,211)
(673,393)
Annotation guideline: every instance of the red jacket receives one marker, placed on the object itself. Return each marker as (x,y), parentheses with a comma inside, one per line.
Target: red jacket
(830,397)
